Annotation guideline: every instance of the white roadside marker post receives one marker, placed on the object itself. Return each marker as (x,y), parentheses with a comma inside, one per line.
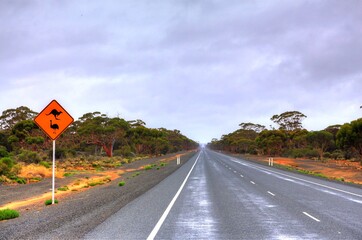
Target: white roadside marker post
(178,160)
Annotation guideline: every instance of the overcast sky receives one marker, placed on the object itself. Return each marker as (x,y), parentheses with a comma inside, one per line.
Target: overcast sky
(202,67)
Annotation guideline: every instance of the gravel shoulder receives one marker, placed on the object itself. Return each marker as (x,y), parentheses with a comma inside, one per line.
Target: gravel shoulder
(79,212)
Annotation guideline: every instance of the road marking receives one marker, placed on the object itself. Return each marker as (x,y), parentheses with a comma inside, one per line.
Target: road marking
(252,182)
(271,193)
(168,209)
(234,171)
(315,219)
(303,180)
(241,175)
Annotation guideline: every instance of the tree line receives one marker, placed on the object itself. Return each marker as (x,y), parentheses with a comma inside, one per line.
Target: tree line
(290,139)
(94,133)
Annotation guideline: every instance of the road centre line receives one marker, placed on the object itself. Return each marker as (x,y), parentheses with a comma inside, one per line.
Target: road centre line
(315,219)
(303,180)
(271,193)
(252,182)
(241,175)
(168,209)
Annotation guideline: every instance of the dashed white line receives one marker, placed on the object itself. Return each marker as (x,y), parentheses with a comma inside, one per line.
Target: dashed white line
(314,218)
(252,182)
(241,175)
(271,193)
(234,171)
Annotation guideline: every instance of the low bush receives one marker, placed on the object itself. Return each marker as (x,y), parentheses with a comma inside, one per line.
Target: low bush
(49,202)
(6,164)
(302,152)
(3,152)
(29,157)
(136,174)
(59,153)
(20,180)
(8,214)
(65,188)
(121,183)
(327,155)
(148,167)
(93,184)
(68,174)
(337,155)
(45,164)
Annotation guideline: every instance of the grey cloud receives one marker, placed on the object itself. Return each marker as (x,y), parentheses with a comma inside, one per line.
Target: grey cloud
(198,66)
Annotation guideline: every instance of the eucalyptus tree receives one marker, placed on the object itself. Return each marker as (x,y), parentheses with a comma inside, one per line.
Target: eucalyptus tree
(349,138)
(289,121)
(320,141)
(100,130)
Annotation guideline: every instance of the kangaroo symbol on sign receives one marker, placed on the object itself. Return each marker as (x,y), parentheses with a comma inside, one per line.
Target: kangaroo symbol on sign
(55,113)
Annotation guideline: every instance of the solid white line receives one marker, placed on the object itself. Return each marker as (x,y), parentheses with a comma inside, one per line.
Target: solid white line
(168,209)
(300,179)
(252,182)
(271,193)
(315,219)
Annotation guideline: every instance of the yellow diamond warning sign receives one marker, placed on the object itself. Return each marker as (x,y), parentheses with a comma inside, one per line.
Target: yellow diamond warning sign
(53,120)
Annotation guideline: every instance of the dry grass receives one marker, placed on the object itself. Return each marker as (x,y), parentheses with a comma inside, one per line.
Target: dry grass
(37,171)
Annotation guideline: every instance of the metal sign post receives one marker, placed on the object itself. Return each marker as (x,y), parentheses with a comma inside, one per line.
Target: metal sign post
(53,177)
(53,120)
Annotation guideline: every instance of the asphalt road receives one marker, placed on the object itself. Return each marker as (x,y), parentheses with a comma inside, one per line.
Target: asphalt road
(215,196)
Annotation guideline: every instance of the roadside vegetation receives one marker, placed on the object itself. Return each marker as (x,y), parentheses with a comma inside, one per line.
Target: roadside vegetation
(94,142)
(290,139)
(6,214)
(49,202)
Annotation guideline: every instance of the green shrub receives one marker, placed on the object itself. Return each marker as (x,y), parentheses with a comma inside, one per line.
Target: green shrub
(327,155)
(136,174)
(337,155)
(311,153)
(59,153)
(340,179)
(92,184)
(8,214)
(3,152)
(49,202)
(6,164)
(65,188)
(45,164)
(29,157)
(163,164)
(148,167)
(20,180)
(121,183)
(68,174)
